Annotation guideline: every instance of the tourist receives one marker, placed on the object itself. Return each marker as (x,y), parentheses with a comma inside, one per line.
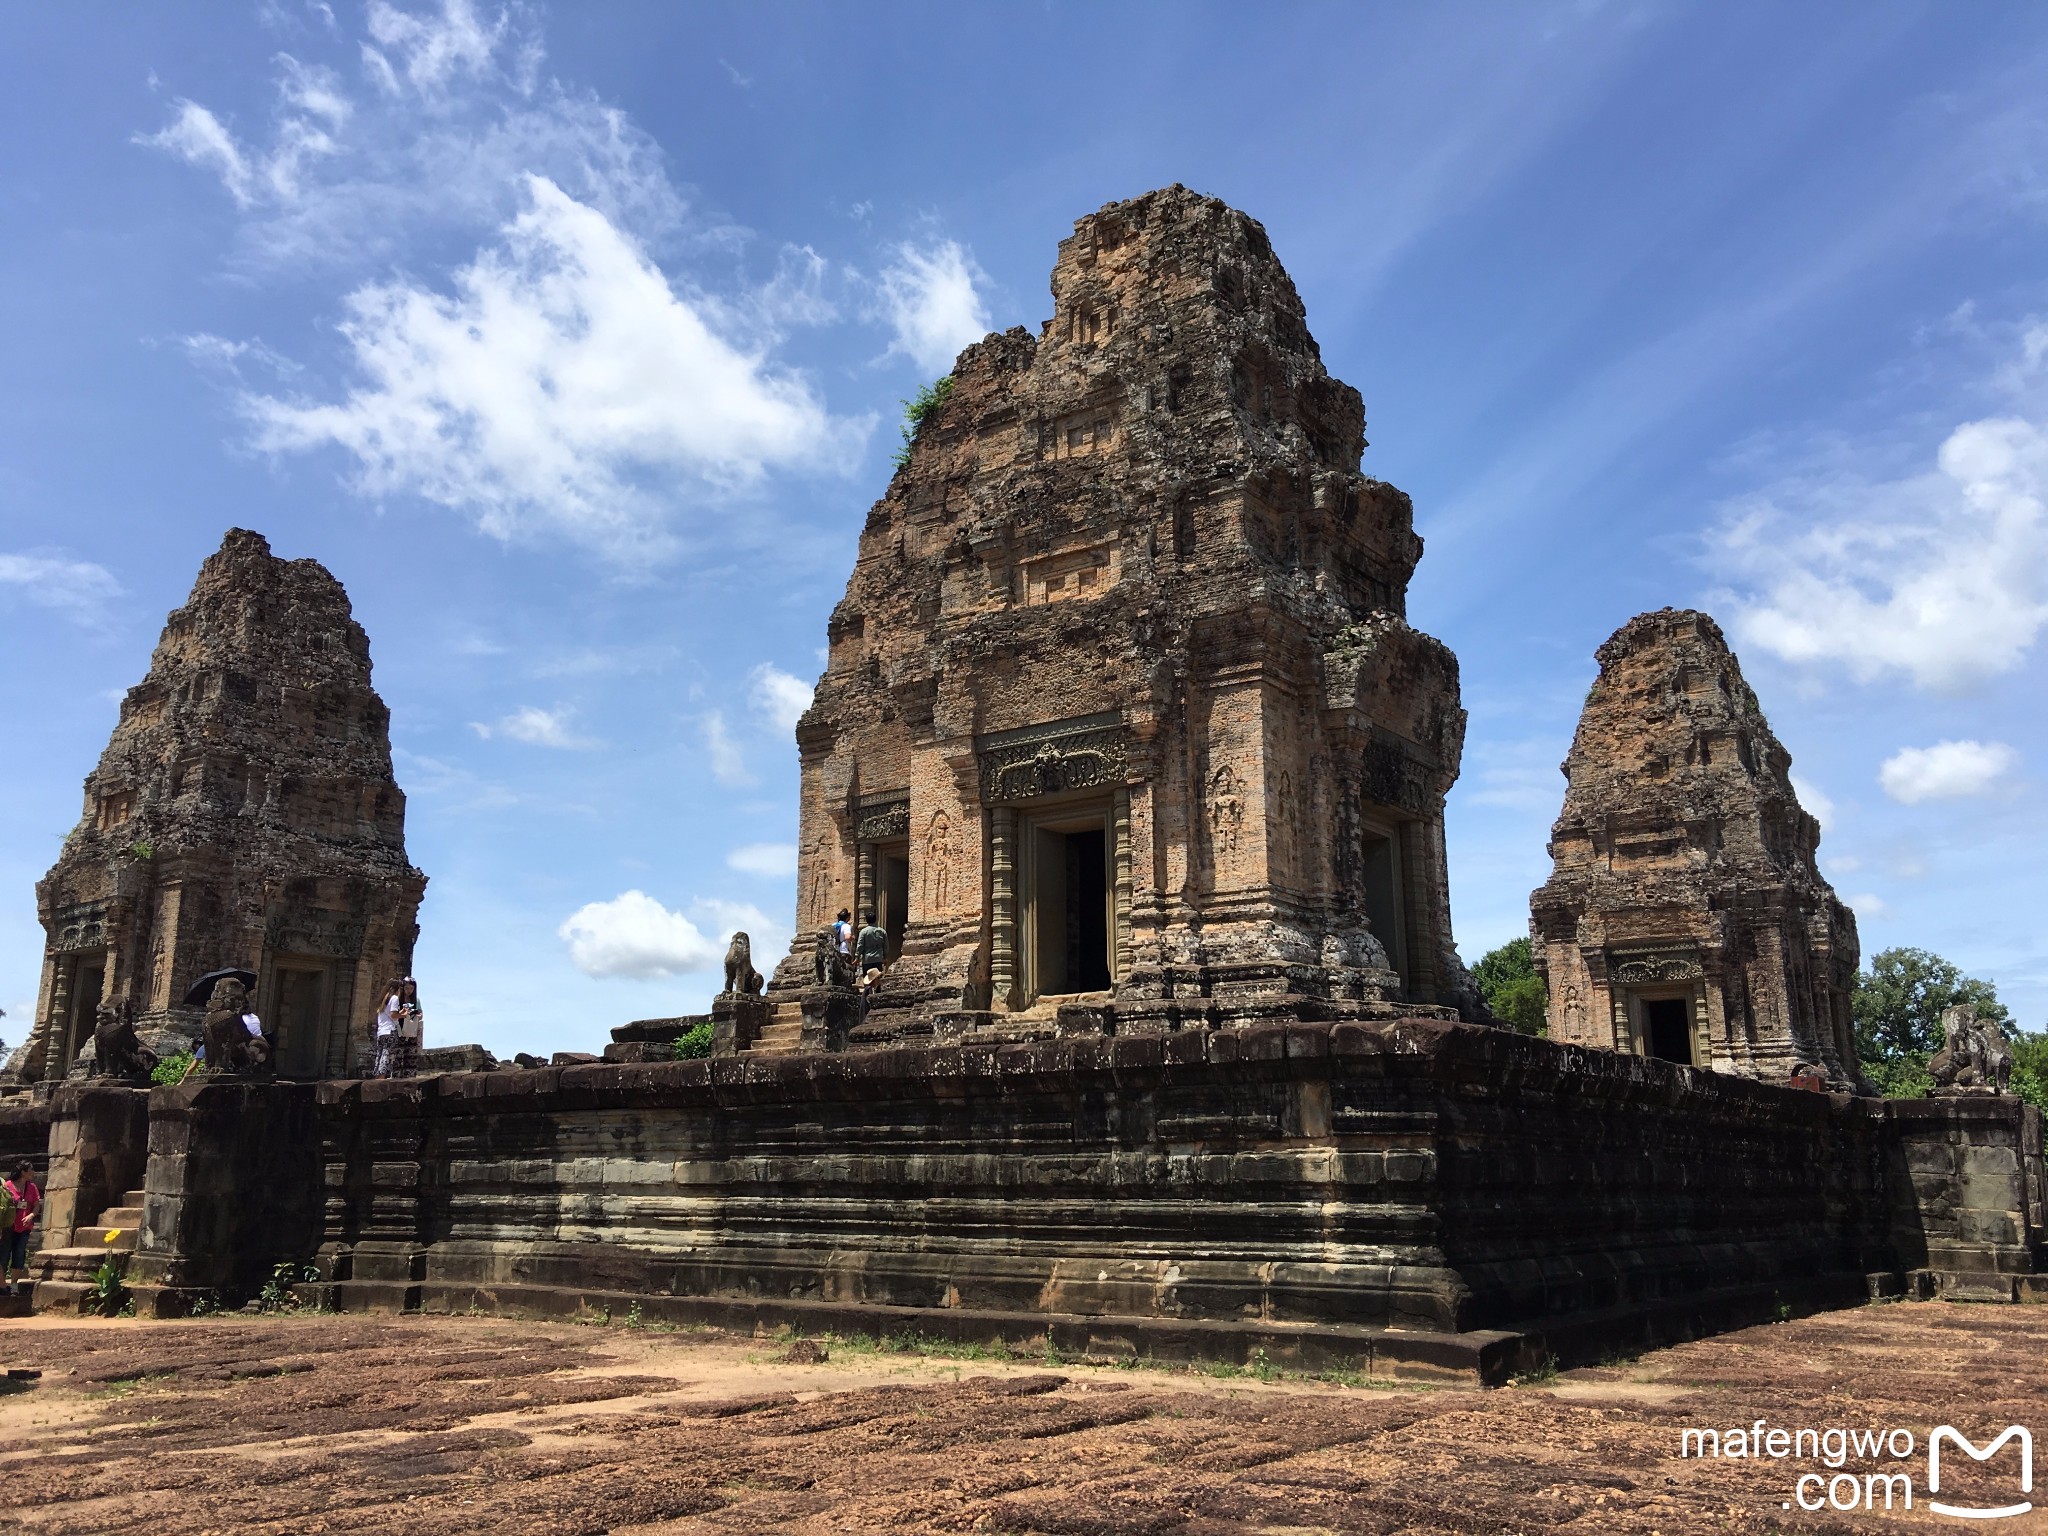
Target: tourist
(842,934)
(20,1205)
(400,1027)
(870,951)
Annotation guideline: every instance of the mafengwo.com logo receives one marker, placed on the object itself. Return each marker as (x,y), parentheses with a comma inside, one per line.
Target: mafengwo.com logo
(1878,1469)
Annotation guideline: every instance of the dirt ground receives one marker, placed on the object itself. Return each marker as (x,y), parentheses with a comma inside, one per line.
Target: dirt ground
(375,1425)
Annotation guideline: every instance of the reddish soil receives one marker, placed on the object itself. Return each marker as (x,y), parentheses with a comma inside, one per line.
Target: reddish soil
(312,1424)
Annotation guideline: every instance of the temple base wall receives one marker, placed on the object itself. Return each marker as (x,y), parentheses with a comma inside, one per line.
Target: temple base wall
(1417,1197)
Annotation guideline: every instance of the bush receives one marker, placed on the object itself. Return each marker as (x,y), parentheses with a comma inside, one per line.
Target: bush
(173,1070)
(693,1044)
(1513,991)
(915,412)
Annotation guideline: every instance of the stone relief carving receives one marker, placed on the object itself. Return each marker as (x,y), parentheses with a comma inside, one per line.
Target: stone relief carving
(1642,970)
(83,926)
(938,863)
(882,817)
(1045,761)
(1226,811)
(340,939)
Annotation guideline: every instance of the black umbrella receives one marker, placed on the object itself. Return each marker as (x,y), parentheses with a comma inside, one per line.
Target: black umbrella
(200,991)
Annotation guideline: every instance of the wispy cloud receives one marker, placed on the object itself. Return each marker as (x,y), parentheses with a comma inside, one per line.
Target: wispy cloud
(79,589)
(930,297)
(536,727)
(1815,801)
(1941,577)
(769,860)
(1949,770)
(727,765)
(558,383)
(779,696)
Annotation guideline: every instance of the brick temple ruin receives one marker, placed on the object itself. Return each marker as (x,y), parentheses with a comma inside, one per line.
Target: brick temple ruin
(1686,917)
(1127,742)
(1123,721)
(243,814)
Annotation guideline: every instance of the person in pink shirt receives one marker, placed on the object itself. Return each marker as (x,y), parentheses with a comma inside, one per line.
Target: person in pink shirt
(21,1202)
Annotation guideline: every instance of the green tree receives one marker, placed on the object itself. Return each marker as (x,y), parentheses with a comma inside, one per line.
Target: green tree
(1508,981)
(2030,1067)
(1899,1000)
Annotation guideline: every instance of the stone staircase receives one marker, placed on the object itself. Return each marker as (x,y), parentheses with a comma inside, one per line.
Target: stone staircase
(63,1277)
(783,1034)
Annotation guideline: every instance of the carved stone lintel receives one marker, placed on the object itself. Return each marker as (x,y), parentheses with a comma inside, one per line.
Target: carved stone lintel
(1089,753)
(1646,970)
(340,939)
(882,817)
(81,926)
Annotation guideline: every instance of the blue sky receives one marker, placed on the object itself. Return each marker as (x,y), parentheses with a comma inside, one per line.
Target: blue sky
(572,340)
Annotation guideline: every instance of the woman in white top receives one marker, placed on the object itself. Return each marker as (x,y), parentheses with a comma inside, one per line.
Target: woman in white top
(400,1024)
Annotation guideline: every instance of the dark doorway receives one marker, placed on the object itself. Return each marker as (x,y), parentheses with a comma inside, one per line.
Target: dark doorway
(300,1025)
(893,887)
(1087,913)
(1068,902)
(1669,1025)
(88,981)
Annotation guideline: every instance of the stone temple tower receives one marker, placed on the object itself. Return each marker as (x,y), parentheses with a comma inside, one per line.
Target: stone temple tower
(1122,719)
(243,814)
(1685,916)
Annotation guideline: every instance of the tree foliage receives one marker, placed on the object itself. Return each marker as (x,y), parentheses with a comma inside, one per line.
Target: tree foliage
(1898,1006)
(1508,981)
(1899,1000)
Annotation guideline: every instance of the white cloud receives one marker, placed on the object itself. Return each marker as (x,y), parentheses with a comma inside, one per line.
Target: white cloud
(195,135)
(431,51)
(931,302)
(77,587)
(773,860)
(1941,577)
(1815,800)
(633,935)
(1868,905)
(1842,864)
(779,696)
(449,118)
(563,385)
(536,727)
(1946,771)
(727,766)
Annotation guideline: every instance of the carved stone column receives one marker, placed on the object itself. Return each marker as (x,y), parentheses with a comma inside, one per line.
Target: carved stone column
(1120,838)
(863,881)
(1002,871)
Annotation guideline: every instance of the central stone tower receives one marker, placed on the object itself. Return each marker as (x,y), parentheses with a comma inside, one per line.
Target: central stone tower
(1123,723)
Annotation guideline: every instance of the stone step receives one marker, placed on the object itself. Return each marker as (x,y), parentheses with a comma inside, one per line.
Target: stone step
(123,1216)
(134,1197)
(61,1295)
(79,1264)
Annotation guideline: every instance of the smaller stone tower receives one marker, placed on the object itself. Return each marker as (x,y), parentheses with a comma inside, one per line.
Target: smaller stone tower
(244,814)
(1685,916)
